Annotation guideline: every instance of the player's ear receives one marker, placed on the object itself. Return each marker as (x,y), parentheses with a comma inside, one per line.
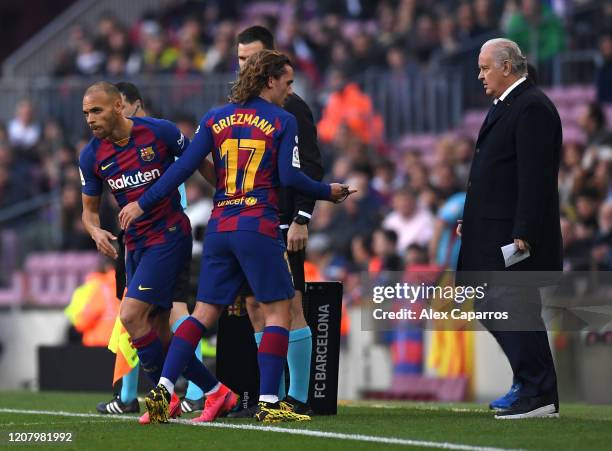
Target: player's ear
(118,105)
(270,83)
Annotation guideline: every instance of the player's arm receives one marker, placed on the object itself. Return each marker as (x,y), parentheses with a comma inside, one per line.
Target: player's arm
(177,173)
(91,191)
(310,155)
(291,175)
(207,169)
(178,142)
(91,220)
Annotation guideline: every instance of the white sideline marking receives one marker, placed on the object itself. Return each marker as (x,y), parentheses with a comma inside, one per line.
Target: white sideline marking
(306,432)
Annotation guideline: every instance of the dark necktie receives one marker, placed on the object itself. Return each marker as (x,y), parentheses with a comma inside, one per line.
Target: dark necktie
(491,112)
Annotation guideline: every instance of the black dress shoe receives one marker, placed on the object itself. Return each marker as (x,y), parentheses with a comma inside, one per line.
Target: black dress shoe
(534,407)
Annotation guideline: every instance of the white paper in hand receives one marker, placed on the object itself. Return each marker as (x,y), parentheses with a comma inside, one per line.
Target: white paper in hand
(513,255)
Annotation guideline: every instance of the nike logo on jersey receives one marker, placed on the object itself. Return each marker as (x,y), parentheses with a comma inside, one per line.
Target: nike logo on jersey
(105,167)
(141,288)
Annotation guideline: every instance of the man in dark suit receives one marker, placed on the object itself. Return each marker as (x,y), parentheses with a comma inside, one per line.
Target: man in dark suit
(512,197)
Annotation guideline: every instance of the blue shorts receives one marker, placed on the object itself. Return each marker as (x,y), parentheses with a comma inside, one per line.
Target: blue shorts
(231,258)
(152,272)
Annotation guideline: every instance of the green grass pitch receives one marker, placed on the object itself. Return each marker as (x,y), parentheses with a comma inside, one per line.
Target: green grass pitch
(358,426)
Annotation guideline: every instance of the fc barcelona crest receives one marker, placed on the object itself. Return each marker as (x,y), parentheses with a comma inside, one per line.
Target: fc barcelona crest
(238,308)
(147,154)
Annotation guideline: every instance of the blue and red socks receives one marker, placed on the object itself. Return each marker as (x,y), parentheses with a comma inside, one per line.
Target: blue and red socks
(193,391)
(151,355)
(298,359)
(282,391)
(181,358)
(271,357)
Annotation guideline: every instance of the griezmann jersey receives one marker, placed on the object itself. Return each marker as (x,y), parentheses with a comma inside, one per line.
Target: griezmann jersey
(255,150)
(131,170)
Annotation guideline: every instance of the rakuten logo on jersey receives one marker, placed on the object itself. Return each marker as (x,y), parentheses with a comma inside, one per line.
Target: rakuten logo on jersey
(134,180)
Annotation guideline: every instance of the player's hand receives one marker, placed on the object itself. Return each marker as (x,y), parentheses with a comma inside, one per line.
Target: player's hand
(340,192)
(297,237)
(522,244)
(129,214)
(459,228)
(104,239)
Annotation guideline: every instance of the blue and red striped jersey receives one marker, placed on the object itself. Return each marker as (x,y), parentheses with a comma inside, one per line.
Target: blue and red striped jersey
(255,148)
(131,170)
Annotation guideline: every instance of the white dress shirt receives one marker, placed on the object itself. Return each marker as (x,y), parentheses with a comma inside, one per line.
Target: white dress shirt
(510,88)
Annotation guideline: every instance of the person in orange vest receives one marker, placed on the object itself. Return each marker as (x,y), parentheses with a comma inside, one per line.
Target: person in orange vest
(349,106)
(94,306)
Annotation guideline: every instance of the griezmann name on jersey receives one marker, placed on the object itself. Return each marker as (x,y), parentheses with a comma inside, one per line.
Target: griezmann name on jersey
(131,170)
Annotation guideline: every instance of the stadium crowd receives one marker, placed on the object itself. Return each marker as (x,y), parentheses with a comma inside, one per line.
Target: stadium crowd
(408,202)
(198,37)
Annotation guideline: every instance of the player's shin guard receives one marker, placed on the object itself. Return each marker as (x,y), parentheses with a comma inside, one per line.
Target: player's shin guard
(181,351)
(193,390)
(196,372)
(298,359)
(151,355)
(282,391)
(271,357)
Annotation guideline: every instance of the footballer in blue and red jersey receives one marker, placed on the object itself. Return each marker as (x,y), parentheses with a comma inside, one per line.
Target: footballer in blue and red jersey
(255,149)
(159,242)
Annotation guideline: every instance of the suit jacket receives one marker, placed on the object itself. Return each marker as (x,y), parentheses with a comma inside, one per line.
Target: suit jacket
(512,189)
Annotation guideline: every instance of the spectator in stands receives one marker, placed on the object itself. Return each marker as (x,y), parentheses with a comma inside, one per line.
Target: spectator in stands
(3,133)
(94,306)
(88,60)
(386,21)
(485,16)
(575,250)
(424,39)
(365,55)
(416,256)
(384,247)
(350,106)
(418,177)
(23,130)
(74,235)
(386,181)
(571,172)
(156,55)
(444,245)
(361,253)
(593,123)
(192,52)
(603,77)
(587,203)
(464,151)
(358,215)
(536,22)
(9,192)
(220,56)
(602,249)
(447,35)
(443,180)
(106,26)
(467,28)
(412,224)
(115,66)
